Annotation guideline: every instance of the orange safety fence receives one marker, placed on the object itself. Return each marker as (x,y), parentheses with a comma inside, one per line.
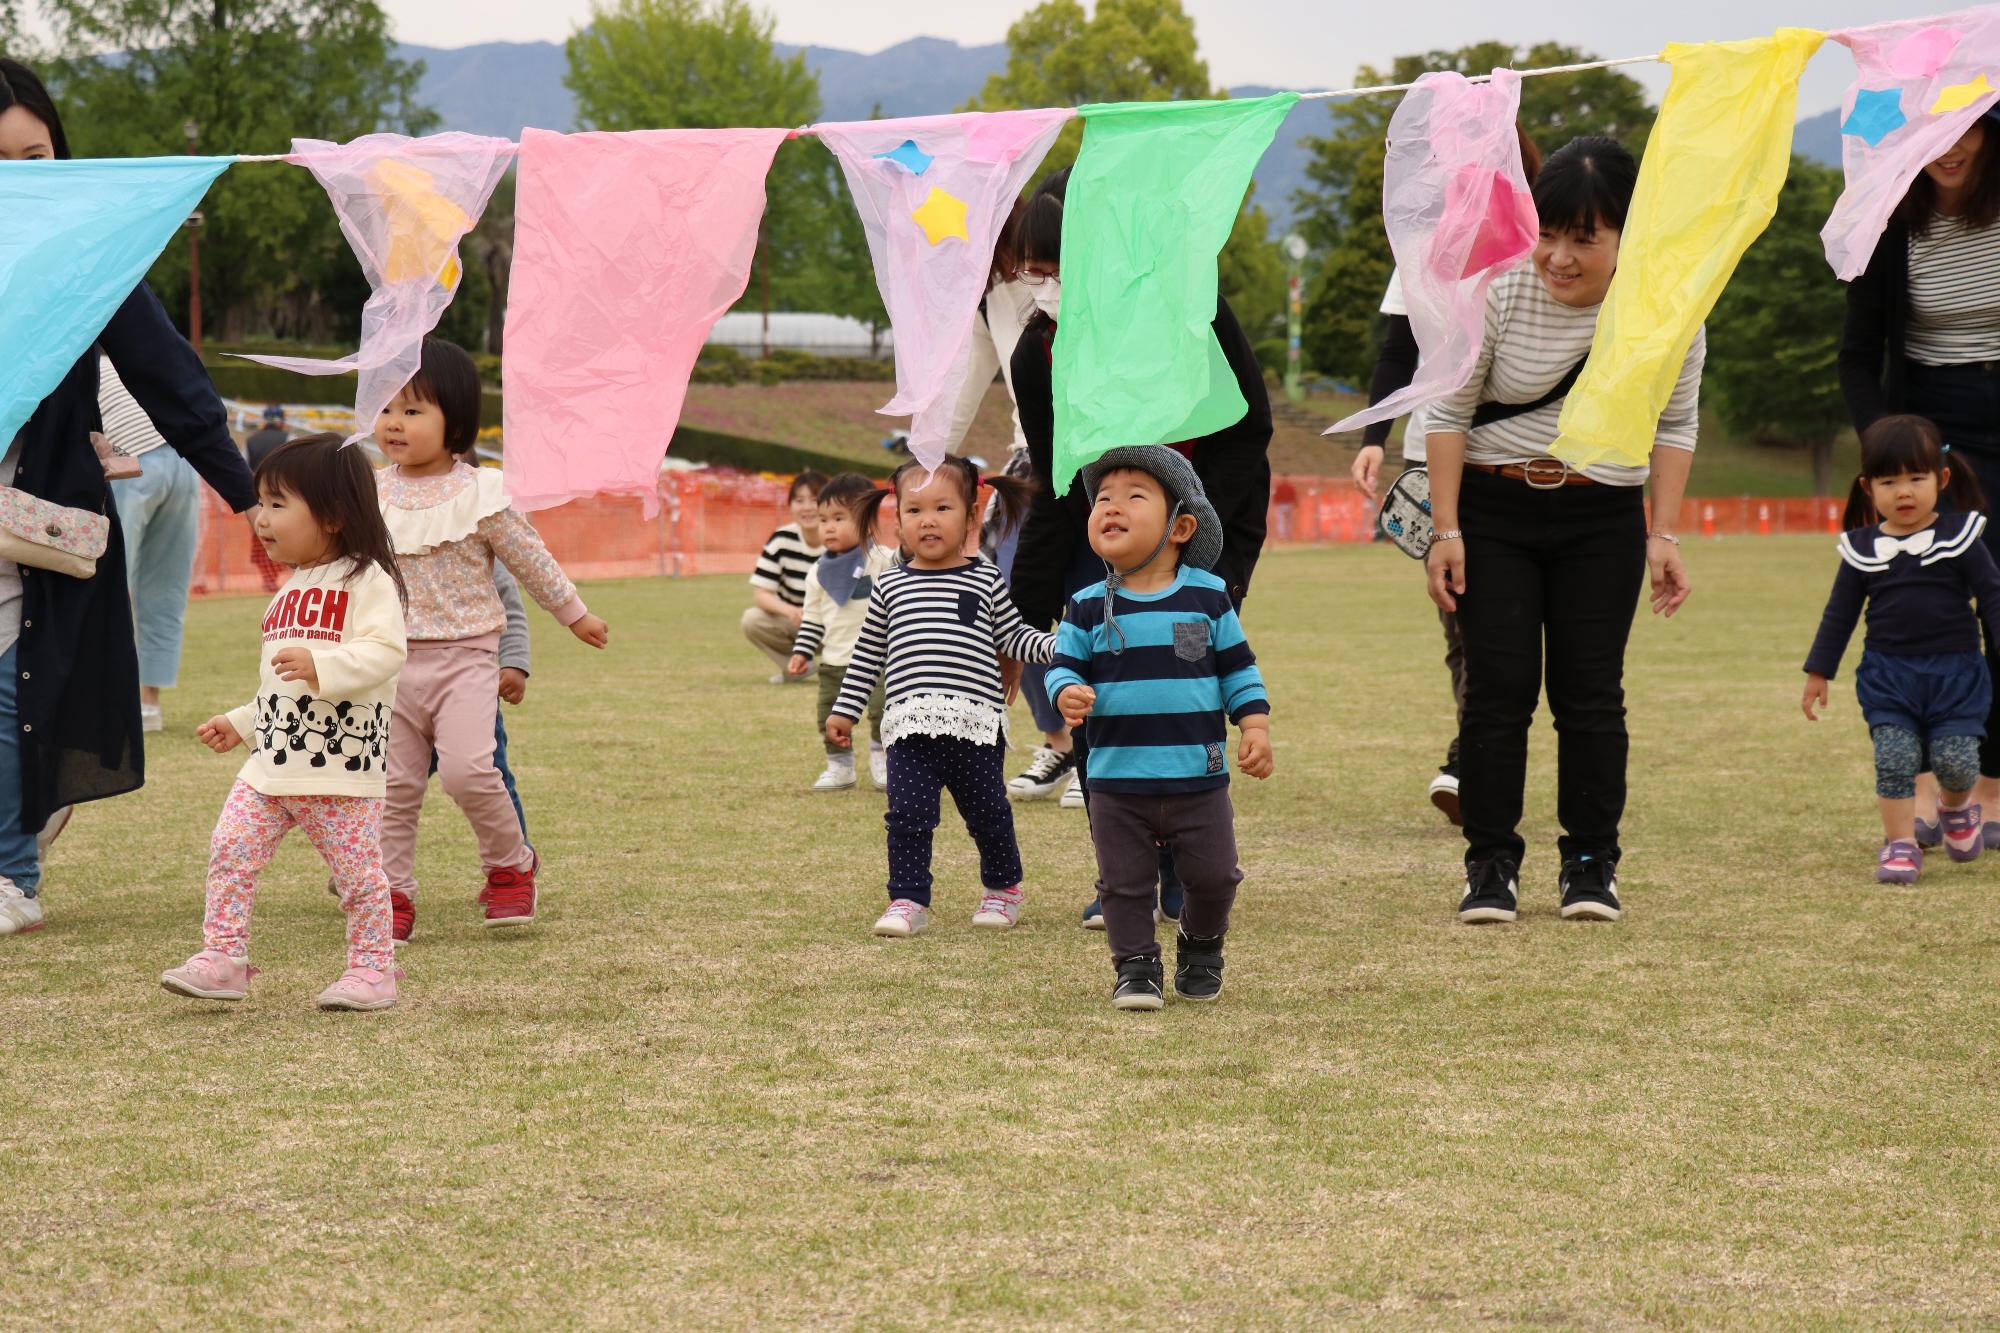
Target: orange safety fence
(714,522)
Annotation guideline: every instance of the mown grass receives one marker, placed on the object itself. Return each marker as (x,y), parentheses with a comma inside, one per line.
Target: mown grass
(699,1094)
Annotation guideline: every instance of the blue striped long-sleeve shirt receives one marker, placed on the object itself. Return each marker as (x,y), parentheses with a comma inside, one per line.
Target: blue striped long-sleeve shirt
(1158,725)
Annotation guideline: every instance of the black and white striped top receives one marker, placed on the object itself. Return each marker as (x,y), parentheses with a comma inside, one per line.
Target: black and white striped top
(1954,294)
(126,424)
(1531,342)
(782,565)
(934,633)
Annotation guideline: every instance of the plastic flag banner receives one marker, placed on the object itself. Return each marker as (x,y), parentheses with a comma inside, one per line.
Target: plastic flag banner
(1707,188)
(933,193)
(1151,200)
(1919,85)
(404,204)
(1458,211)
(79,237)
(627,248)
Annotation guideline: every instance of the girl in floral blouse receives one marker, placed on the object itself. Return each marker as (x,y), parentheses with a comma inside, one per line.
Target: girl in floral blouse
(448,521)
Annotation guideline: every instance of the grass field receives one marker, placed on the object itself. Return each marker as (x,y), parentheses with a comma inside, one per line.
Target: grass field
(699,1094)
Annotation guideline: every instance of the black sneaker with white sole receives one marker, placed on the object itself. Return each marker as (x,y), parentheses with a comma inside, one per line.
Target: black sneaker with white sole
(1045,775)
(1139,985)
(1197,966)
(1492,889)
(1589,889)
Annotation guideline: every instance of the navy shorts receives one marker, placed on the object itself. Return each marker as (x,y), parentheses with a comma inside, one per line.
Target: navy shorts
(1945,695)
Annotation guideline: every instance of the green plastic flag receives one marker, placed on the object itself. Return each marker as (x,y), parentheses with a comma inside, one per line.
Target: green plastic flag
(1151,200)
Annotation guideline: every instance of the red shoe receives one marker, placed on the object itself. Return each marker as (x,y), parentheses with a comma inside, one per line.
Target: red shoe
(510,895)
(402,916)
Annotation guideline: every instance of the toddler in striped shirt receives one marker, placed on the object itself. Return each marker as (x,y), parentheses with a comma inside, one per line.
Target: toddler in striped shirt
(934,634)
(1150,662)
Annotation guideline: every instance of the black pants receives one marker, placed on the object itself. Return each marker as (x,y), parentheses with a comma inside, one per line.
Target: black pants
(921,768)
(1563,568)
(1964,401)
(1200,827)
(1170,878)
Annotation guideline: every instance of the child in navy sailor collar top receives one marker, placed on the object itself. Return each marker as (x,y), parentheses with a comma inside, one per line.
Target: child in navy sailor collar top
(1922,682)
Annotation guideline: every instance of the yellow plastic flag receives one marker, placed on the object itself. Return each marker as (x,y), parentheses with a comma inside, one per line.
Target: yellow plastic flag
(1708,187)
(424,226)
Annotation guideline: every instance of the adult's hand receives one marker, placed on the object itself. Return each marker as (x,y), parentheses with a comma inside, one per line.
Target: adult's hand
(1367,468)
(1669,575)
(1445,564)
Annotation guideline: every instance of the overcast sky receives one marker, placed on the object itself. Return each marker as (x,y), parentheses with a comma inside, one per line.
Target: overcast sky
(1303,44)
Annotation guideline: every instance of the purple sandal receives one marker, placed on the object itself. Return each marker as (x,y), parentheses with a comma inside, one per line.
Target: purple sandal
(1898,863)
(1963,839)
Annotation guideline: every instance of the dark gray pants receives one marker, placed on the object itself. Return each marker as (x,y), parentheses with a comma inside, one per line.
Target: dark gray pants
(1199,828)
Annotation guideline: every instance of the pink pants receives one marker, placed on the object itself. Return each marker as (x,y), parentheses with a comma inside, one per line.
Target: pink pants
(345,830)
(446,699)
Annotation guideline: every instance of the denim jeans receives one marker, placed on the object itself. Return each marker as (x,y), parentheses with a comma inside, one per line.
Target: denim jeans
(159,512)
(19,859)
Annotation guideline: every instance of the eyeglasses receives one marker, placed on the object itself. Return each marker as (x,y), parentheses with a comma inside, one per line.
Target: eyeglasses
(1035,277)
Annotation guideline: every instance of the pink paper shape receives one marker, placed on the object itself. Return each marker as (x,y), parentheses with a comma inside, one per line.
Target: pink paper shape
(1459,213)
(627,248)
(932,292)
(1920,58)
(404,204)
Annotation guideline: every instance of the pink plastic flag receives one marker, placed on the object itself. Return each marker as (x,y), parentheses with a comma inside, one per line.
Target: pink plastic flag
(1457,208)
(933,193)
(404,204)
(1919,85)
(627,249)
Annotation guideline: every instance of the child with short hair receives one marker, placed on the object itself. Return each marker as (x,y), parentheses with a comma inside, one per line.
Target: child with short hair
(837,588)
(1922,683)
(449,521)
(333,648)
(778,583)
(1150,661)
(933,633)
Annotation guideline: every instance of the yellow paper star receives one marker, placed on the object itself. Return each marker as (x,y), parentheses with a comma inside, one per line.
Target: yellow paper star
(424,226)
(1960,95)
(942,215)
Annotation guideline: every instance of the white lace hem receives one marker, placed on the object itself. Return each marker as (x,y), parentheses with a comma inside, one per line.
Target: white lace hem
(420,531)
(950,715)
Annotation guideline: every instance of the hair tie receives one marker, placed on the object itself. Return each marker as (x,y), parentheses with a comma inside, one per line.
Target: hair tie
(1944,448)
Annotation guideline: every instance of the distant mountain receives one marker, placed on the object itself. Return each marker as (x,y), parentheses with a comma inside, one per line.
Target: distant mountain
(496,88)
(1818,138)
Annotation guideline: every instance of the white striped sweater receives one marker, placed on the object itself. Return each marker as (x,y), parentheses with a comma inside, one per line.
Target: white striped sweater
(1954,294)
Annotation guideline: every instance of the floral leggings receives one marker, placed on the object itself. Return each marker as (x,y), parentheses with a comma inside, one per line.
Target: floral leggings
(345,830)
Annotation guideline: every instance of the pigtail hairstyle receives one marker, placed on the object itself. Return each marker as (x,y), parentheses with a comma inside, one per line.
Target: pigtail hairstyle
(1899,444)
(1011,494)
(336,483)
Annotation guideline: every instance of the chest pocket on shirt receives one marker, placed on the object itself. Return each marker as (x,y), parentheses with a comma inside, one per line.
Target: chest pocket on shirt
(968,608)
(1191,640)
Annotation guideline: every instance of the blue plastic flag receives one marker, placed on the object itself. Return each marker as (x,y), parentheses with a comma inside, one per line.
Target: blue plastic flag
(78,237)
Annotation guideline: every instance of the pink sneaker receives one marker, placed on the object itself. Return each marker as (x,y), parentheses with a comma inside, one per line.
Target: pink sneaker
(1000,908)
(361,988)
(210,976)
(1963,840)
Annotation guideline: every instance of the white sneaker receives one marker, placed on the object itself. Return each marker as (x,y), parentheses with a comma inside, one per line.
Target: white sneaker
(150,718)
(999,911)
(19,913)
(1044,774)
(903,919)
(1444,795)
(1072,797)
(839,775)
(878,765)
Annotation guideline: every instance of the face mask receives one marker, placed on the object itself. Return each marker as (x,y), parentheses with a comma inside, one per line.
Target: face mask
(1048,297)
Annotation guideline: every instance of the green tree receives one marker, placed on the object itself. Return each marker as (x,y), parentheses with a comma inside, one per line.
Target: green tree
(1774,338)
(248,75)
(1340,214)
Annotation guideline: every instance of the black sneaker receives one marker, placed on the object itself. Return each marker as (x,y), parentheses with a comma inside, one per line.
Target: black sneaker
(1491,890)
(1589,889)
(1197,966)
(1046,774)
(1138,985)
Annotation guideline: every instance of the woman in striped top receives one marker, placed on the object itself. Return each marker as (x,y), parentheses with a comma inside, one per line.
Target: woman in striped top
(1530,550)
(778,583)
(935,631)
(1923,337)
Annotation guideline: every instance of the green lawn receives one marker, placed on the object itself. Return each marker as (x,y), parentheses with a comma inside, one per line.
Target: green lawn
(699,1094)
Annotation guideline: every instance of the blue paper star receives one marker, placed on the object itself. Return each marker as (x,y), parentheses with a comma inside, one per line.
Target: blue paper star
(909,157)
(1877,114)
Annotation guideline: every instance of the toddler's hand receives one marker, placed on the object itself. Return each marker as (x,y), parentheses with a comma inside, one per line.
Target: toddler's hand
(1253,754)
(1075,703)
(218,735)
(295,664)
(592,631)
(513,684)
(840,730)
(1010,678)
(799,665)
(1815,694)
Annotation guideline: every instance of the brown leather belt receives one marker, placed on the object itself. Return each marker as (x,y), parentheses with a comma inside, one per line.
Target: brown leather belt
(1544,474)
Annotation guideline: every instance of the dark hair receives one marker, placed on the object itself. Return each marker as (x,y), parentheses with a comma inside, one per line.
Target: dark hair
(1038,236)
(1012,493)
(449,377)
(852,490)
(337,484)
(1899,444)
(22,87)
(1531,155)
(1007,248)
(1982,204)
(809,480)
(1586,184)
